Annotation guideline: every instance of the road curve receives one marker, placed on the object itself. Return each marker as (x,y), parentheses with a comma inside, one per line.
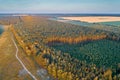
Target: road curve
(22,62)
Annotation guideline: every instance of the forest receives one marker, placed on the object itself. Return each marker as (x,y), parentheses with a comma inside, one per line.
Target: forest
(67,51)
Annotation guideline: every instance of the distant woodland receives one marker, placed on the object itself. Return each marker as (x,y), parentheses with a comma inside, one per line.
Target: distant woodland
(67,51)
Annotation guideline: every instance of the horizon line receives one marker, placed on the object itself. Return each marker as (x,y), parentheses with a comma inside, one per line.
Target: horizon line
(57,13)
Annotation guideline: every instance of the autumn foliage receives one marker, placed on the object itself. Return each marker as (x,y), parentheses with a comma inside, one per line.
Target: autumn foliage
(76,40)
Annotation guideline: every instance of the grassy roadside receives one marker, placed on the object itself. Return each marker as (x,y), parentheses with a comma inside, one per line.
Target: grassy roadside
(10,68)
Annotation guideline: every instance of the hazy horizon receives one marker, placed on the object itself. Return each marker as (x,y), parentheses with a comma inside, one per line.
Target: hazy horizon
(56,6)
(53,13)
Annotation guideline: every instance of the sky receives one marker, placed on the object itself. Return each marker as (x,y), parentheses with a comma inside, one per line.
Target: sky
(59,6)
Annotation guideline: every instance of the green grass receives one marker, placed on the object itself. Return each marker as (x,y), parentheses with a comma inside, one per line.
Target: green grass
(114,23)
(102,52)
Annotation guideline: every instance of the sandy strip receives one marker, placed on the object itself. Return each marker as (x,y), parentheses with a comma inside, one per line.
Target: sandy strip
(5,27)
(93,19)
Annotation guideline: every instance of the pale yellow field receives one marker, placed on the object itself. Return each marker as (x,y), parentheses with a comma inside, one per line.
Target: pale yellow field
(93,19)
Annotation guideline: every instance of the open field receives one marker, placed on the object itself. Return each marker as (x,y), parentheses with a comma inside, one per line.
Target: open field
(112,26)
(10,68)
(93,19)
